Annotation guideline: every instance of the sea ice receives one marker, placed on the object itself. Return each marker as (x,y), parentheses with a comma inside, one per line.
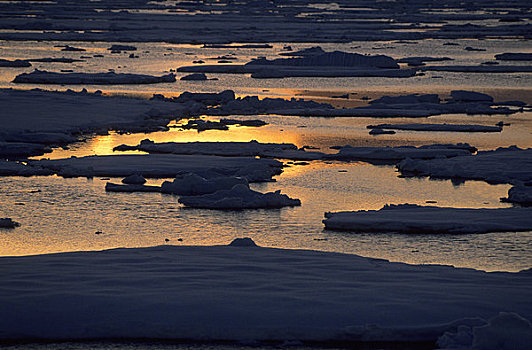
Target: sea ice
(112,78)
(231,149)
(194,76)
(437,127)
(519,194)
(235,293)
(161,166)
(14,63)
(112,187)
(8,223)
(134,179)
(503,165)
(396,154)
(416,219)
(190,184)
(239,196)
(510,56)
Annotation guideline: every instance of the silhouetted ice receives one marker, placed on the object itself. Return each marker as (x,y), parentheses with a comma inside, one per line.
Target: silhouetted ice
(416,219)
(240,196)
(503,165)
(111,78)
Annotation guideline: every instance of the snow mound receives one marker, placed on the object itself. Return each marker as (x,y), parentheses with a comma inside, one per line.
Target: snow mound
(134,179)
(503,165)
(506,331)
(239,197)
(243,242)
(109,78)
(396,154)
(416,219)
(8,223)
(190,184)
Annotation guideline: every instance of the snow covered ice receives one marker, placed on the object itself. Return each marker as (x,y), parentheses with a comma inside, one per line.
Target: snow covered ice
(245,292)
(408,218)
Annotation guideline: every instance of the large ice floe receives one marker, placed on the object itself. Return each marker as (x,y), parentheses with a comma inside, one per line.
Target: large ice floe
(231,149)
(325,64)
(438,127)
(109,78)
(161,166)
(242,292)
(504,165)
(392,155)
(63,116)
(411,218)
(239,196)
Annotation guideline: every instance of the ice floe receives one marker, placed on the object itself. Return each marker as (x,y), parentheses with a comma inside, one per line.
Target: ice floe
(519,194)
(161,166)
(232,149)
(503,165)
(416,219)
(511,56)
(437,127)
(246,293)
(8,223)
(14,63)
(63,116)
(392,155)
(112,187)
(194,76)
(326,64)
(112,78)
(239,196)
(190,184)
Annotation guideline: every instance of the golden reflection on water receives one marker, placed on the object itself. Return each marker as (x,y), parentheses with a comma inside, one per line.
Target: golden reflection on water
(104,144)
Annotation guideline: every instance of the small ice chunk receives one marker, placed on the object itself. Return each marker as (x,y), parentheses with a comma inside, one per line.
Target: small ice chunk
(194,76)
(134,179)
(117,47)
(243,242)
(8,223)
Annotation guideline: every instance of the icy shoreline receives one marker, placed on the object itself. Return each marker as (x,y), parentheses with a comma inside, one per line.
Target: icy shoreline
(236,293)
